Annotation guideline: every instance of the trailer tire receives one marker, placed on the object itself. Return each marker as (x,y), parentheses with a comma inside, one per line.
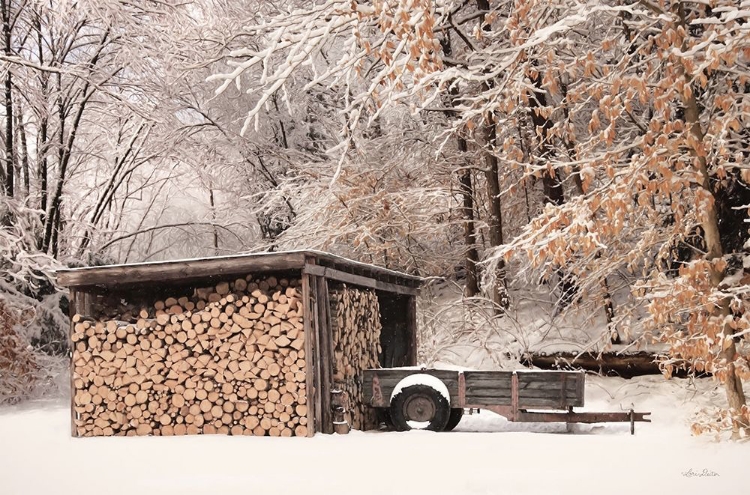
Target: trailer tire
(419,407)
(455,418)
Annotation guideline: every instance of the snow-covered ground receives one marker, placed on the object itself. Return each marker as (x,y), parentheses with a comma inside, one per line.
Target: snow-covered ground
(486,455)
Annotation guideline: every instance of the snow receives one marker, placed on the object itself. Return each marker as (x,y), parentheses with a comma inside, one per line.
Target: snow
(456,335)
(422,379)
(417,425)
(486,455)
(243,256)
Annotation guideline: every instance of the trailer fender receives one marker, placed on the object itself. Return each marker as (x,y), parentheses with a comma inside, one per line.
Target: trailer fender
(422,379)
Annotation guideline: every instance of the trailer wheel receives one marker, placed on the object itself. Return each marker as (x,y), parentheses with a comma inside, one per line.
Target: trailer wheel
(419,407)
(454,419)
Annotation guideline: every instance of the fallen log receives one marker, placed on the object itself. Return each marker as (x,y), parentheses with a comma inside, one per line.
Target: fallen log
(609,363)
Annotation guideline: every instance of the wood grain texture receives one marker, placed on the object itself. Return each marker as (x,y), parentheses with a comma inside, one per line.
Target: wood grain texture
(73,298)
(225,266)
(309,351)
(536,390)
(180,270)
(362,281)
(326,355)
(411,327)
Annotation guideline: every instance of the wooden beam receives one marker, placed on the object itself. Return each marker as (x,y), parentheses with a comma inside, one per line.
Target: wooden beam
(326,355)
(308,327)
(411,327)
(316,362)
(117,275)
(328,259)
(350,278)
(72,311)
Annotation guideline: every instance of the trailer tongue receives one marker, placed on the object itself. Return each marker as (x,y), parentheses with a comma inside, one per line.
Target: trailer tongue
(435,399)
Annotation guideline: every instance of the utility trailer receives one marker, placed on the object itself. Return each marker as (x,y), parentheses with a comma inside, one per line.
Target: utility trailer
(413,398)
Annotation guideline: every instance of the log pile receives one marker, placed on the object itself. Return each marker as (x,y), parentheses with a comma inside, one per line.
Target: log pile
(355,330)
(228,359)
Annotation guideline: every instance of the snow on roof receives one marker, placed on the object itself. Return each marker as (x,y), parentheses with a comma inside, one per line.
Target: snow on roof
(222,265)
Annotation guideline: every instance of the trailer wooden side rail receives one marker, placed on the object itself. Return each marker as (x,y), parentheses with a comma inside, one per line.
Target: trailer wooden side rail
(421,396)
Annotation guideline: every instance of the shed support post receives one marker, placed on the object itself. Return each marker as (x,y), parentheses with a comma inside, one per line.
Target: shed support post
(310,329)
(73,299)
(411,326)
(325,354)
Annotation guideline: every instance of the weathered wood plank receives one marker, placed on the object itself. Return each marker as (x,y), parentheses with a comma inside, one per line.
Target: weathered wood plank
(548,394)
(399,374)
(568,385)
(488,378)
(523,403)
(350,278)
(326,355)
(487,401)
(371,271)
(308,327)
(411,328)
(546,390)
(505,382)
(545,376)
(316,364)
(505,390)
(506,395)
(117,275)
(73,302)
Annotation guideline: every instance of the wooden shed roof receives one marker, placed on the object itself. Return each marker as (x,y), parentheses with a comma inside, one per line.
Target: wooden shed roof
(309,261)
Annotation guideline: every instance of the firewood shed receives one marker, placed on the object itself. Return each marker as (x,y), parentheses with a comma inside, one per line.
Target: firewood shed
(259,344)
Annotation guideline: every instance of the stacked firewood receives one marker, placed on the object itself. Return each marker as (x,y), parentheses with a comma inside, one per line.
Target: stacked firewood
(229,359)
(355,322)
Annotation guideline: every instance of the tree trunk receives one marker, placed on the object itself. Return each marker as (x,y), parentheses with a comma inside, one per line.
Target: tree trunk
(553,190)
(66,145)
(51,217)
(55,242)
(466,190)
(24,153)
(609,313)
(609,307)
(42,166)
(41,145)
(213,219)
(577,180)
(492,170)
(714,252)
(10,161)
(472,256)
(495,220)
